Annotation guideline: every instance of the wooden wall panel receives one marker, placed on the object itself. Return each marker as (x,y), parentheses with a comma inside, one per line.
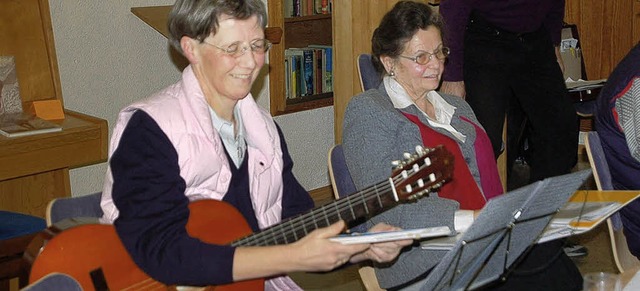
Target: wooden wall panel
(607,32)
(636,21)
(353,25)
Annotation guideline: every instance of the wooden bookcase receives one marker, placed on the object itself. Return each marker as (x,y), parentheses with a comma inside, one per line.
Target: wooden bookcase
(298,32)
(35,169)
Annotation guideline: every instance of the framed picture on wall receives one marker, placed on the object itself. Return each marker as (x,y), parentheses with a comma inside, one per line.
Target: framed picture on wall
(10,101)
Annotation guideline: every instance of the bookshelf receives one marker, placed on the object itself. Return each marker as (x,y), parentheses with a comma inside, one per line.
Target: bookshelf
(298,32)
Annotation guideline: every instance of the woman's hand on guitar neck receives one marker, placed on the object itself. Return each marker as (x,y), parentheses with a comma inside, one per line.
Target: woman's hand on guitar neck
(313,253)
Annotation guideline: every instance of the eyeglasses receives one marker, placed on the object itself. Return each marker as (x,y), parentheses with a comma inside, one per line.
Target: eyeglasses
(258,46)
(424,57)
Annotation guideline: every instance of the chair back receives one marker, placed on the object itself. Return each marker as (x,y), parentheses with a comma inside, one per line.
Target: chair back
(17,230)
(625,261)
(342,186)
(339,173)
(85,206)
(369,77)
(54,281)
(598,161)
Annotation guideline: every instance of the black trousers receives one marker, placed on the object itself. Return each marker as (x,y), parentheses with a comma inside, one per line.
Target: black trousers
(544,267)
(509,72)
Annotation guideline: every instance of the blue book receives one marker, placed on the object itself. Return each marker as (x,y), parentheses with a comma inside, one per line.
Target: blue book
(308,71)
(327,71)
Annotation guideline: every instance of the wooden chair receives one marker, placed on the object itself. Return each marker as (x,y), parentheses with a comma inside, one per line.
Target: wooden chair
(623,258)
(342,186)
(16,231)
(54,281)
(369,78)
(87,206)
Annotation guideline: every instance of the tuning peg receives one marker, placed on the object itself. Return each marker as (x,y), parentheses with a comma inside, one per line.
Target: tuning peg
(407,156)
(420,150)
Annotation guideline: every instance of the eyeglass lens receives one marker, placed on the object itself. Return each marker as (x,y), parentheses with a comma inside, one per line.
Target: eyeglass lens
(425,57)
(259,46)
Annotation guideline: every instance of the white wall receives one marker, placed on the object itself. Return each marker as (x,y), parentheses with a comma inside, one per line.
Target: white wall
(108,58)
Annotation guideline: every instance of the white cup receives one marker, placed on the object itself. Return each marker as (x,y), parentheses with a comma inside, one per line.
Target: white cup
(601,281)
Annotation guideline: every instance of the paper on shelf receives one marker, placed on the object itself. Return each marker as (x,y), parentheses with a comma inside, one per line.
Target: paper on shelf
(581,85)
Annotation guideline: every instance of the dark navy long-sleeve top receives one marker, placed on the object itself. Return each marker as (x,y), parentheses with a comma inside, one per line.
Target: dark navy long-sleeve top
(153,209)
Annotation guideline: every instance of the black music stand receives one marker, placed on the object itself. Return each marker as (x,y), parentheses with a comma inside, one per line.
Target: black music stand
(506,229)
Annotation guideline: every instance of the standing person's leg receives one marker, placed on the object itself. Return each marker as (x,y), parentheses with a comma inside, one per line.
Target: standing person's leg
(485,74)
(517,135)
(543,95)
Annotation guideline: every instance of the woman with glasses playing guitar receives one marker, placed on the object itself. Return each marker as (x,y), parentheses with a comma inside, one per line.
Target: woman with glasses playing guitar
(204,139)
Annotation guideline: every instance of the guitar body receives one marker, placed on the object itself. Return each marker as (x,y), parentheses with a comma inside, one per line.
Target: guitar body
(82,249)
(94,255)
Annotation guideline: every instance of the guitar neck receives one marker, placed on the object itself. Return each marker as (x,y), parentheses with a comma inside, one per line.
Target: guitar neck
(411,179)
(353,209)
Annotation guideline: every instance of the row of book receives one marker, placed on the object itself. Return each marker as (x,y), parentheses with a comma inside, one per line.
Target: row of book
(297,8)
(308,71)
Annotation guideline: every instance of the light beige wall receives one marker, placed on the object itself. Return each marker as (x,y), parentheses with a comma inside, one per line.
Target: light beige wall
(109,58)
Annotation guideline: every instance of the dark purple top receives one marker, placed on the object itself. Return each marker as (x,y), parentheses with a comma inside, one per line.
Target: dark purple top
(518,16)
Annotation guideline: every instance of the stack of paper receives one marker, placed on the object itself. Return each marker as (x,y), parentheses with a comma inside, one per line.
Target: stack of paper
(581,85)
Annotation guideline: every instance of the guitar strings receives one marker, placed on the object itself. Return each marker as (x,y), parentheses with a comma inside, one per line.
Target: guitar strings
(270,235)
(146,284)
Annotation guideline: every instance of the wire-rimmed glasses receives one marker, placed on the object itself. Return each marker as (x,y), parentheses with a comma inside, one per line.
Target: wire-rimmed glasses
(258,46)
(424,57)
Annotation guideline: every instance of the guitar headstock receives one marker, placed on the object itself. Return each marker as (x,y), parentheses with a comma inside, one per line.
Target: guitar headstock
(421,172)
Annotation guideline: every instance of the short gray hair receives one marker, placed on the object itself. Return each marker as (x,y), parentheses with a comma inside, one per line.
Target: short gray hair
(197,19)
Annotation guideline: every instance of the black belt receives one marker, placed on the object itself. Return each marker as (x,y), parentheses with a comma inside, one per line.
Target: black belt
(478,22)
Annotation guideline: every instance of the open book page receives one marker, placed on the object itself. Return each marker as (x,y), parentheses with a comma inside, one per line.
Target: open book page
(584,215)
(586,210)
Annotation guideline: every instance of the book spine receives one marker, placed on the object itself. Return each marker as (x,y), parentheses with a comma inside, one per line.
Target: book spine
(324,7)
(287,76)
(302,88)
(288,8)
(308,71)
(319,72)
(295,77)
(296,8)
(328,64)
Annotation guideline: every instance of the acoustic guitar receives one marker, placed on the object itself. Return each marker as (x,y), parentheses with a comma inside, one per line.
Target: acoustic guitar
(95,257)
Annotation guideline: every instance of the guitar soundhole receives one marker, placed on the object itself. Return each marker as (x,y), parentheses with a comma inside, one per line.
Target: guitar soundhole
(98,279)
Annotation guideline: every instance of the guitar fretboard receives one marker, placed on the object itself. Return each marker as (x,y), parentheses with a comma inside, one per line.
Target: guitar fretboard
(354,207)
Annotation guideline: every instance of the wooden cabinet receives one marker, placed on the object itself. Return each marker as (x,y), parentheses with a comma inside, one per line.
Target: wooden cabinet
(298,32)
(608,30)
(35,169)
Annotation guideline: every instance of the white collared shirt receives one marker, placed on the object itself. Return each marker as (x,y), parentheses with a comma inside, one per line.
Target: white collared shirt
(234,142)
(444,111)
